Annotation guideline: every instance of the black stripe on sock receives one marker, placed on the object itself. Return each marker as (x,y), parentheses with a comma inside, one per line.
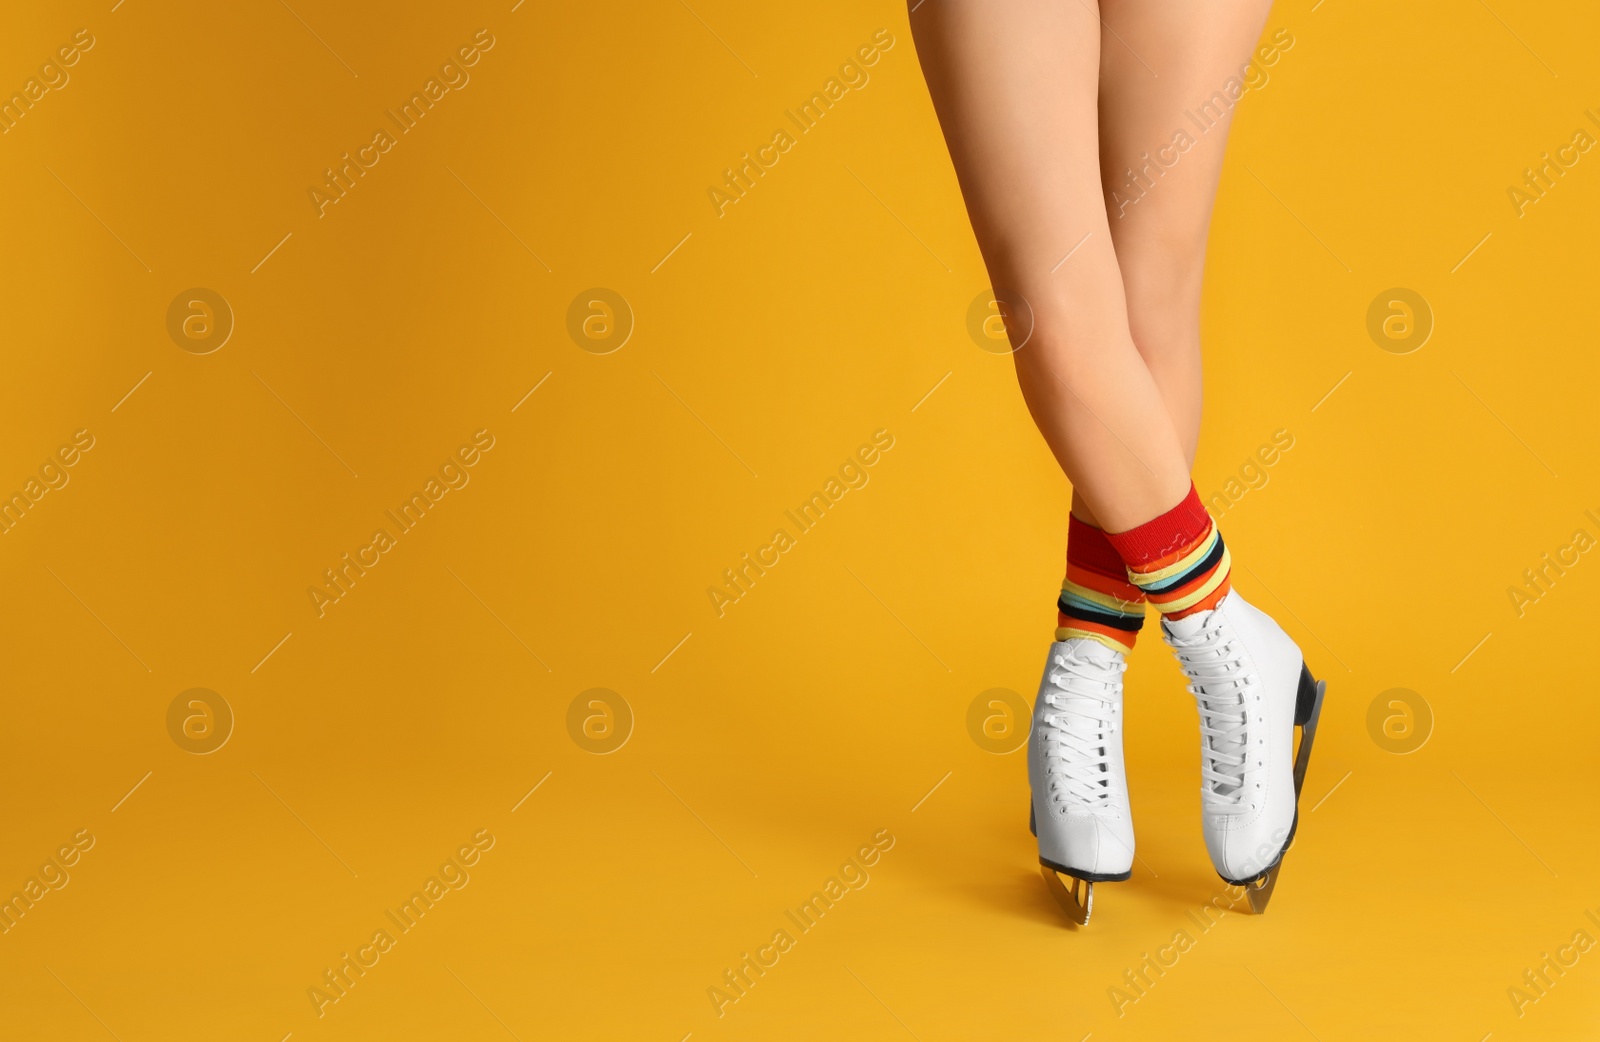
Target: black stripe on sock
(1200,568)
(1116,622)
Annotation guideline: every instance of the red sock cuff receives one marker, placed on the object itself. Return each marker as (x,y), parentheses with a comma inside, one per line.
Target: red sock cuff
(1088,548)
(1162,536)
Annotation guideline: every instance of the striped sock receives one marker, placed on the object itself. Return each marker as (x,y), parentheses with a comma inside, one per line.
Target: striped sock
(1178,559)
(1097,600)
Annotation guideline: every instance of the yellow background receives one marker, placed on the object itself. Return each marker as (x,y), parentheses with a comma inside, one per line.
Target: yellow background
(774,741)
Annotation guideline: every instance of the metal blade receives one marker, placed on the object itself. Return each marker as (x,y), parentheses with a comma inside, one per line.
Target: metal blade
(1076,900)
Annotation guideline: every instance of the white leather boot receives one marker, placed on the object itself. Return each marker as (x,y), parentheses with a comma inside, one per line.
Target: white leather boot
(1080,790)
(1252,689)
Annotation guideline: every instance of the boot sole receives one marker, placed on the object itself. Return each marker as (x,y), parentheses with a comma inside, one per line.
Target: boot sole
(1087,877)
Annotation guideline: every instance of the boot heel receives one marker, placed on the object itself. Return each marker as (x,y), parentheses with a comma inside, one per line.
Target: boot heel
(1306,698)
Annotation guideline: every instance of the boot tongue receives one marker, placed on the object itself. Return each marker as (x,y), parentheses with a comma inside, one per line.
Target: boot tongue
(1188,626)
(1091,651)
(1234,742)
(1097,656)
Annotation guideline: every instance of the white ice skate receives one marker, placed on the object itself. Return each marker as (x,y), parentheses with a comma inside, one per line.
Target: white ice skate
(1252,689)
(1080,791)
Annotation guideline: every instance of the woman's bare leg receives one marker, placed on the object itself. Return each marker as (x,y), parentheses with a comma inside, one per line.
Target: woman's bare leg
(1249,792)
(1158,63)
(1015,84)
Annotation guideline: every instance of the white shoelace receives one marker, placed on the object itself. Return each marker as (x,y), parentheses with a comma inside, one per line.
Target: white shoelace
(1221,687)
(1083,719)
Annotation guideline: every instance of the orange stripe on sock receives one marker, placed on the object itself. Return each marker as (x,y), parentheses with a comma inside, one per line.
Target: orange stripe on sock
(1211,600)
(1111,586)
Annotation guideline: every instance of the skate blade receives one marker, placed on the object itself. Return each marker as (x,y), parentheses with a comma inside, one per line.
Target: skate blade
(1259,892)
(1077,900)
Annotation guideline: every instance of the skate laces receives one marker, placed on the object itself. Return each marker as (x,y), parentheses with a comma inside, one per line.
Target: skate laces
(1218,680)
(1082,722)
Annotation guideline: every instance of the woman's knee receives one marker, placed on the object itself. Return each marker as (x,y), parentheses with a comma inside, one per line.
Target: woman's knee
(1162,281)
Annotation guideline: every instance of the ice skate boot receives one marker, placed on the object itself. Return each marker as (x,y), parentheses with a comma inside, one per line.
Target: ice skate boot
(1252,689)
(1080,792)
